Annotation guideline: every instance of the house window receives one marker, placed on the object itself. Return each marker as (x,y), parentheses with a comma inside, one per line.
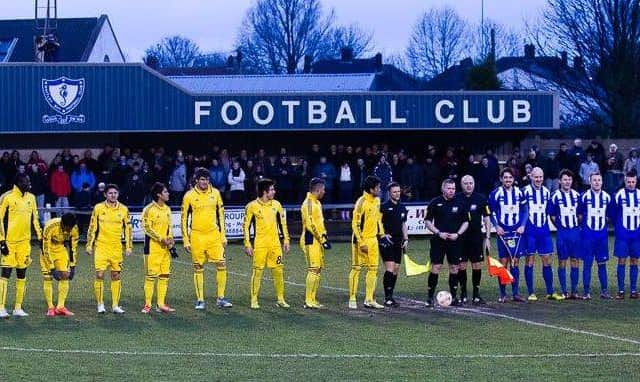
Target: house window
(106,58)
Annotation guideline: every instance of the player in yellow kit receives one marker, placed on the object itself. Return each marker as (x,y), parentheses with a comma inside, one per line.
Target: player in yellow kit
(109,223)
(58,263)
(158,248)
(313,240)
(18,213)
(367,228)
(204,235)
(270,240)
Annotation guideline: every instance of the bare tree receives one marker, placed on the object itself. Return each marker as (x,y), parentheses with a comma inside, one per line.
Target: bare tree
(277,34)
(352,36)
(438,40)
(508,42)
(604,38)
(174,51)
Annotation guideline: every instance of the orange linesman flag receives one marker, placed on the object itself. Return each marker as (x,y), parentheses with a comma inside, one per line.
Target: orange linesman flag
(496,269)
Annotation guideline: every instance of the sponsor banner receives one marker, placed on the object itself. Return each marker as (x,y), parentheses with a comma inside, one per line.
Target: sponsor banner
(233,222)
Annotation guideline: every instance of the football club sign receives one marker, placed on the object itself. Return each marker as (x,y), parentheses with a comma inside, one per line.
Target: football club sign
(63,95)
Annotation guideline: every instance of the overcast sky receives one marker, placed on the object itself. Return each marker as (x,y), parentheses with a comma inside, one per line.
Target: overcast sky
(214,24)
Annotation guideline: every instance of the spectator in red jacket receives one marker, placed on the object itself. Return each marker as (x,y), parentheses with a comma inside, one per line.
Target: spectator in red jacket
(61,186)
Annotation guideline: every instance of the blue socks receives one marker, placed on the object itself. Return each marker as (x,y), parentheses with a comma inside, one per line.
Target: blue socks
(503,289)
(528,276)
(633,277)
(515,286)
(620,274)
(602,276)
(575,275)
(547,274)
(562,277)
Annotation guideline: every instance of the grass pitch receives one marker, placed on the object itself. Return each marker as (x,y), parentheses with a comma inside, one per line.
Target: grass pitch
(596,340)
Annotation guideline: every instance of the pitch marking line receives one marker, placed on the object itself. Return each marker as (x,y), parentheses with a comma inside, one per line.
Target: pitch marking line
(481,312)
(318,356)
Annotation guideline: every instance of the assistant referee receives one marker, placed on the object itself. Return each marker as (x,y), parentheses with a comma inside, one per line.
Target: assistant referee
(448,219)
(474,241)
(394,221)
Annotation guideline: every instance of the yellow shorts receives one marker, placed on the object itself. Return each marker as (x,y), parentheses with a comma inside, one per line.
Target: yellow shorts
(157,263)
(108,258)
(206,247)
(369,259)
(269,257)
(58,260)
(314,253)
(19,255)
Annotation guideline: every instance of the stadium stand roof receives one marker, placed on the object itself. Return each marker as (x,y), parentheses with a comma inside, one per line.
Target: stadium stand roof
(77,37)
(282,83)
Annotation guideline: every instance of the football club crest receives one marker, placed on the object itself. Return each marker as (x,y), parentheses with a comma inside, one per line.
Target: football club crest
(63,95)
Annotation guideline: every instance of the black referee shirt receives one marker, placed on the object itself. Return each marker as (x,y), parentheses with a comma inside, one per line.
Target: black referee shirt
(393,215)
(447,215)
(478,207)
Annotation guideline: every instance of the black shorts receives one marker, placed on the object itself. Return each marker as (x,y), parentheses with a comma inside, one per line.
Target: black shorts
(472,248)
(441,248)
(392,253)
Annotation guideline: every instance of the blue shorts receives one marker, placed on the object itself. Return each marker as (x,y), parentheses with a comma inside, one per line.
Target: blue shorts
(568,243)
(626,246)
(503,251)
(595,245)
(538,241)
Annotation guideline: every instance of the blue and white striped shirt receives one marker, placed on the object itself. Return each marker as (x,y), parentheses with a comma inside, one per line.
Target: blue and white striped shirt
(564,206)
(508,207)
(627,212)
(536,200)
(593,208)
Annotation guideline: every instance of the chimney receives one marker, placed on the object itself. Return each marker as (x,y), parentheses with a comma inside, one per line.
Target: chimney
(378,61)
(578,63)
(307,64)
(530,51)
(563,57)
(346,53)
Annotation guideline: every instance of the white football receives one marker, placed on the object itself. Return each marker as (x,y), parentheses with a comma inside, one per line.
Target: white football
(443,298)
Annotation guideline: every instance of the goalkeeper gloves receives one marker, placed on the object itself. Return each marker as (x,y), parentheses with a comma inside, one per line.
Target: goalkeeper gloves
(3,248)
(174,252)
(326,244)
(72,272)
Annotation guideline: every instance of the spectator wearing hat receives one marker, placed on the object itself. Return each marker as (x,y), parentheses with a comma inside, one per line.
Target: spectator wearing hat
(613,176)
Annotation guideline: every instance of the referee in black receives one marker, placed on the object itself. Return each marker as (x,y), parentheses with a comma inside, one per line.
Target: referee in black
(474,241)
(394,220)
(447,219)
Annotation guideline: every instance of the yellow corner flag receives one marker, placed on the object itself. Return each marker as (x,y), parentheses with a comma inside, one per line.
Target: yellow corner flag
(412,268)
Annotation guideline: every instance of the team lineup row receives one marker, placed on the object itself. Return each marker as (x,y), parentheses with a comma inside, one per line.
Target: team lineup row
(520,217)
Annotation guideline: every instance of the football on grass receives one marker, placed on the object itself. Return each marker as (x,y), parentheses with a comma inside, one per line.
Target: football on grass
(443,298)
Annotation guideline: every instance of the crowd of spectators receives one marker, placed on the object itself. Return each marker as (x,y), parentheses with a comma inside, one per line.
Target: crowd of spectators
(78,180)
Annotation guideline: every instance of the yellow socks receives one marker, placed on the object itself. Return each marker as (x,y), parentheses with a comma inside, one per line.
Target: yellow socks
(20,289)
(149,284)
(48,292)
(198,281)
(221,277)
(256,278)
(311,287)
(3,292)
(115,293)
(163,284)
(98,288)
(354,275)
(316,286)
(278,282)
(370,281)
(63,291)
